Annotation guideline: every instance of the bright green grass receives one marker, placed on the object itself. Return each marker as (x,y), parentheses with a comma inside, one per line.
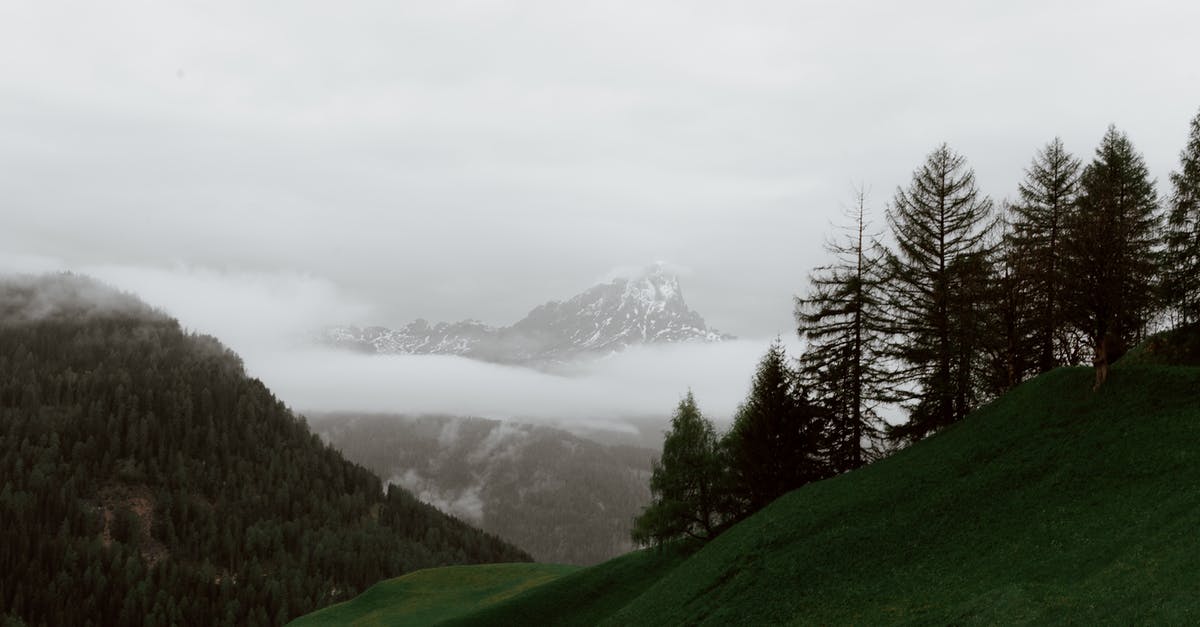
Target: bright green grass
(1052,505)
(427,597)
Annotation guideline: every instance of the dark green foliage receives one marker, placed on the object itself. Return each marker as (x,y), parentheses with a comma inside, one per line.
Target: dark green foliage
(1034,256)
(686,483)
(1052,505)
(779,438)
(843,318)
(938,280)
(126,526)
(146,479)
(1182,266)
(1112,245)
(1010,347)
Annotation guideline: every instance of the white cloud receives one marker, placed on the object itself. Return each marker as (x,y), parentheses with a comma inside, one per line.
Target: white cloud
(255,313)
(19,263)
(270,320)
(474,159)
(638,383)
(261,170)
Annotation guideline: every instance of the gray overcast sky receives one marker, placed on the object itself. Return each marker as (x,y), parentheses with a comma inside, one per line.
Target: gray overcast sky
(474,159)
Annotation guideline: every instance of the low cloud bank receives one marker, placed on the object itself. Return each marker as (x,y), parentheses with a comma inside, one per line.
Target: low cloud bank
(270,319)
(639,382)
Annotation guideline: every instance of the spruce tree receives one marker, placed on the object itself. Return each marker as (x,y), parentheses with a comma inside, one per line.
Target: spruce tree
(842,318)
(1011,349)
(778,439)
(1182,280)
(1111,247)
(685,483)
(1047,195)
(937,274)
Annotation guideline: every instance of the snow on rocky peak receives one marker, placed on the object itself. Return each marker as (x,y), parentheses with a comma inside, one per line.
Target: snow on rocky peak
(644,309)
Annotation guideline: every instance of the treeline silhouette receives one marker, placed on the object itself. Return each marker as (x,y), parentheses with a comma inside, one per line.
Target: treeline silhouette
(961,301)
(145,479)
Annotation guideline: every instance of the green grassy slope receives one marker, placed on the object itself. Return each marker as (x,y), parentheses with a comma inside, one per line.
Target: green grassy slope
(1053,504)
(429,596)
(582,598)
(1178,347)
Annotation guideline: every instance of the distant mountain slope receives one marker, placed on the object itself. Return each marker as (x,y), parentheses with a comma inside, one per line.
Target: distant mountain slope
(145,479)
(646,309)
(562,498)
(1052,505)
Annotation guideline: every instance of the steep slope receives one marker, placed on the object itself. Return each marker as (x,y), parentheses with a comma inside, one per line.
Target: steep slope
(147,479)
(564,499)
(646,309)
(1051,505)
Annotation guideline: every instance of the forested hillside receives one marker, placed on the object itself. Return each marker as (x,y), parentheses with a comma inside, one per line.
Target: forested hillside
(1051,505)
(957,305)
(564,499)
(146,479)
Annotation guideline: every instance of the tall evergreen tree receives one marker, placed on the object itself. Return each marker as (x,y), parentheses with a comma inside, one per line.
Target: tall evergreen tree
(778,439)
(941,225)
(842,317)
(1010,345)
(1047,196)
(1112,248)
(1183,232)
(686,483)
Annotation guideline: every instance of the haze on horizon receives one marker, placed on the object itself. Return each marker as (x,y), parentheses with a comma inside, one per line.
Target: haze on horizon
(261,171)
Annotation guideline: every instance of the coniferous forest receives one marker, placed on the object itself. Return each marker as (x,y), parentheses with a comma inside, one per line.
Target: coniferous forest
(145,479)
(954,300)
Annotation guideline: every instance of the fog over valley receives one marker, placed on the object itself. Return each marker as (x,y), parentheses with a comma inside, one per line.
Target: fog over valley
(273,321)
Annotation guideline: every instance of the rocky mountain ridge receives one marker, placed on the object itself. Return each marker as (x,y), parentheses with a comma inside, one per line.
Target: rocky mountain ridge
(608,317)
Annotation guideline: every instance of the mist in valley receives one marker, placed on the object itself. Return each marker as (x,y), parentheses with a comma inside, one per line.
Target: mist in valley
(273,321)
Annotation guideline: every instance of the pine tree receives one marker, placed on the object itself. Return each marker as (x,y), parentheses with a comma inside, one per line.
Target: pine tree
(1047,196)
(1183,232)
(842,318)
(937,273)
(1012,350)
(1112,248)
(685,482)
(778,439)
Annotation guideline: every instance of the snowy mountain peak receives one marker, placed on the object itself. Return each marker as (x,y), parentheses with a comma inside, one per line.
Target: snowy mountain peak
(644,309)
(656,285)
